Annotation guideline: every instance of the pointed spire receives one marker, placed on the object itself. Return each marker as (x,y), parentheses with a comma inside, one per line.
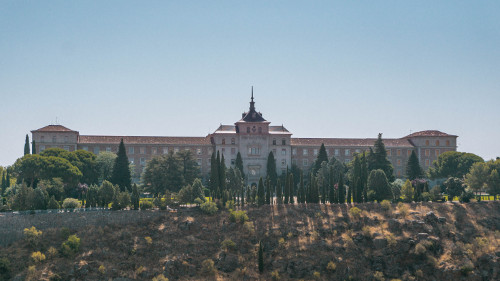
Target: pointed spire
(252,103)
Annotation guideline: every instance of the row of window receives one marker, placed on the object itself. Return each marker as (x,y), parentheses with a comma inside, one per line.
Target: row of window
(233,141)
(142,150)
(336,151)
(42,147)
(54,139)
(427,142)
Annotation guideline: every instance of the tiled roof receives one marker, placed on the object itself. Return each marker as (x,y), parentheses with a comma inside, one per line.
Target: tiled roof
(226,129)
(53,128)
(429,133)
(348,142)
(145,140)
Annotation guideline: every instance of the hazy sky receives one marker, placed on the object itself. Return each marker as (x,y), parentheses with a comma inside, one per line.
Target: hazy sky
(320,68)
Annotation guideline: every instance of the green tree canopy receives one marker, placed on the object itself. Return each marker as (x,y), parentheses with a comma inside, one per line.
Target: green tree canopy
(104,165)
(163,173)
(190,168)
(377,159)
(377,182)
(271,169)
(453,164)
(121,171)
(454,187)
(322,157)
(477,177)
(239,164)
(27,145)
(413,169)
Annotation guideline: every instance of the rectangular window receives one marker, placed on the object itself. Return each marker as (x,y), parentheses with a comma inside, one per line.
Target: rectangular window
(399,162)
(233,150)
(358,150)
(283,142)
(253,151)
(294,151)
(142,150)
(86,148)
(274,141)
(337,152)
(437,152)
(143,161)
(294,161)
(283,171)
(108,148)
(398,152)
(154,150)
(165,150)
(223,150)
(209,161)
(427,152)
(389,152)
(427,162)
(233,141)
(305,162)
(283,151)
(447,142)
(315,151)
(399,173)
(131,150)
(210,151)
(347,152)
(408,152)
(283,162)
(198,151)
(304,151)
(131,160)
(42,148)
(65,138)
(233,161)
(199,161)
(96,150)
(274,152)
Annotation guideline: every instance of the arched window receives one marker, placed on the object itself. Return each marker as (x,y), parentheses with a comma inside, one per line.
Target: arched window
(223,141)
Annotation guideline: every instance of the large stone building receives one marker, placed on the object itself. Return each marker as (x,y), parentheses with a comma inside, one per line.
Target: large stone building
(254,137)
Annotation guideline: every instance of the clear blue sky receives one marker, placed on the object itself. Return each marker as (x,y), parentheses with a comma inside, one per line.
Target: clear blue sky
(321,68)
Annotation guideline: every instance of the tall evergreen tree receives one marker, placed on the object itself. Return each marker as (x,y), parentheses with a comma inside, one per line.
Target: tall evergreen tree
(331,193)
(279,192)
(322,157)
(286,190)
(260,193)
(214,174)
(239,164)
(271,168)
(364,177)
(341,190)
(268,191)
(27,145)
(413,169)
(378,159)
(121,171)
(290,192)
(135,198)
(222,174)
(377,182)
(33,147)
(301,191)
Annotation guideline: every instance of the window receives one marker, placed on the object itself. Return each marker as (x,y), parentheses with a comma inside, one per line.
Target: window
(143,161)
(294,161)
(305,162)
(199,162)
(427,162)
(399,162)
(283,142)
(42,148)
(358,150)
(233,150)
(209,162)
(165,150)
(131,160)
(447,142)
(96,150)
(389,152)
(210,150)
(223,141)
(294,151)
(304,151)
(65,138)
(283,171)
(408,152)
(131,150)
(437,152)
(398,173)
(398,152)
(233,161)
(233,141)
(426,142)
(253,151)
(54,139)
(108,148)
(427,152)
(154,150)
(437,142)
(86,148)
(198,151)
(142,150)
(283,151)
(66,148)
(315,151)
(274,141)
(337,152)
(248,130)
(347,152)
(176,149)
(42,138)
(283,162)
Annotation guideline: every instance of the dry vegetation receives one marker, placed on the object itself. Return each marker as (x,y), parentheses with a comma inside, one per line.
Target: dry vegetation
(314,242)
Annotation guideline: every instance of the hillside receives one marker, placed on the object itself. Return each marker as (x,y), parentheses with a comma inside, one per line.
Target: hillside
(427,241)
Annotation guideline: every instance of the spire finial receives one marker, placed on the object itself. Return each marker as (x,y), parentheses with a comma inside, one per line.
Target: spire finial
(252,93)
(252,103)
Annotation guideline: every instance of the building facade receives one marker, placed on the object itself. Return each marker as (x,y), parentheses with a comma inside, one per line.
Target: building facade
(254,138)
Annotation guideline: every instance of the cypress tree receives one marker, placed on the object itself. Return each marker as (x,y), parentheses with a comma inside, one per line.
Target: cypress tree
(290,192)
(222,174)
(268,191)
(331,193)
(271,168)
(260,193)
(33,147)
(7,179)
(315,191)
(378,159)
(364,177)
(279,193)
(300,191)
(349,194)
(214,174)
(135,198)
(249,195)
(413,169)
(27,145)
(322,157)
(121,171)
(341,189)
(286,190)
(239,164)
(261,257)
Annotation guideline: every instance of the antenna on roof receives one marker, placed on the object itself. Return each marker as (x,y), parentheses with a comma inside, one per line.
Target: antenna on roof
(56,121)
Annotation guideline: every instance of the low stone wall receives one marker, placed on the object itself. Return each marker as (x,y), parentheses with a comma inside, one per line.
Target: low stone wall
(13,224)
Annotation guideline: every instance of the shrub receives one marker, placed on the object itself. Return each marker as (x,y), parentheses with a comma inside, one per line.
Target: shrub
(466,196)
(230,205)
(209,208)
(4,269)
(102,269)
(228,245)
(52,252)
(32,236)
(317,275)
(420,249)
(65,233)
(391,240)
(275,275)
(249,227)
(378,276)
(37,257)
(282,242)
(355,212)
(70,246)
(386,205)
(403,209)
(30,274)
(146,205)
(426,197)
(149,240)
(198,201)
(238,216)
(160,277)
(366,231)
(71,203)
(208,268)
(331,266)
(53,204)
